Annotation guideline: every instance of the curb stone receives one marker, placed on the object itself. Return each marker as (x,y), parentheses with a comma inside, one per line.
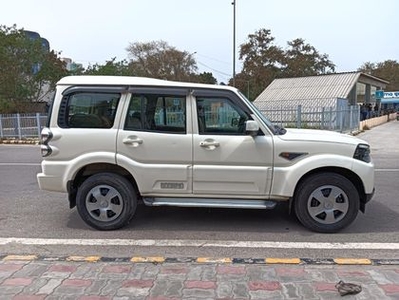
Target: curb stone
(207,260)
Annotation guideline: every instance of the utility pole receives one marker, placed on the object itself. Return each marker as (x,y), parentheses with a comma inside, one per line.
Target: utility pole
(234,41)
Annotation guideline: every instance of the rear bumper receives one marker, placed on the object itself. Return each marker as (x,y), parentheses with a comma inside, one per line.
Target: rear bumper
(52,177)
(50,183)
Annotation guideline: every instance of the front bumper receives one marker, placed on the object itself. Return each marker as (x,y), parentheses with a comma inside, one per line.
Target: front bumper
(369,196)
(366,199)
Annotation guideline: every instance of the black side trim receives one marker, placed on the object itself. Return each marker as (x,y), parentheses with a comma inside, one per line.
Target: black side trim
(95,89)
(172,91)
(292,155)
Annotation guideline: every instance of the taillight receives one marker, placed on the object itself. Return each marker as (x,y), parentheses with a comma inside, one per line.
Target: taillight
(45,136)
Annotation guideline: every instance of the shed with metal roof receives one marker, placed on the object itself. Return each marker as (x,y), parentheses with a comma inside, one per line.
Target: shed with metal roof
(325,90)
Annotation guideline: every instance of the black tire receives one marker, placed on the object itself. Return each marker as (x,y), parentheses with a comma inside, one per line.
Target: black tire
(106,201)
(326,202)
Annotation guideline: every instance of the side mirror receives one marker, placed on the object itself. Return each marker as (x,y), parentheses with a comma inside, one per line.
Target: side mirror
(251,127)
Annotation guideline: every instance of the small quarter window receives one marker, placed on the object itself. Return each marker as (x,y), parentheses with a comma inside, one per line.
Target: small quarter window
(89,110)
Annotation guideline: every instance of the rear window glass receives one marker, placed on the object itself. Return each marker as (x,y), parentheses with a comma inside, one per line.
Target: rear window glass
(90,110)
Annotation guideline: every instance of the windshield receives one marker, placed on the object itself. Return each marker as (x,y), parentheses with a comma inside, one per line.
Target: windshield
(274,128)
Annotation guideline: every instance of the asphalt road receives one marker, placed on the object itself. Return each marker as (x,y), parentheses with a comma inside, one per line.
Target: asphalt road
(30,220)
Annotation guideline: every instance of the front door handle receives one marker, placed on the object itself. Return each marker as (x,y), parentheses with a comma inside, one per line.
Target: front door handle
(209,144)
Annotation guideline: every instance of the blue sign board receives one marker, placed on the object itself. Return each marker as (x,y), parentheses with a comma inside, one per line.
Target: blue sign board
(379,94)
(391,94)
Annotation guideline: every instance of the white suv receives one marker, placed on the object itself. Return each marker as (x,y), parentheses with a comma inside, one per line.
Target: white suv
(111,142)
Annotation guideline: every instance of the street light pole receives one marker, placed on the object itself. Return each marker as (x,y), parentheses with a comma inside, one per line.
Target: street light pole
(234,42)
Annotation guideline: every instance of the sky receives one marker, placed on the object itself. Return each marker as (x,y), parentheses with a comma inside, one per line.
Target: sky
(350,32)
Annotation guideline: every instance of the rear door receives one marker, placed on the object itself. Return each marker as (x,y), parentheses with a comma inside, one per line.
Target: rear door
(155,143)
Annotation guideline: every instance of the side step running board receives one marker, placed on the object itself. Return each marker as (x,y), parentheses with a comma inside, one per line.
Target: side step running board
(204,202)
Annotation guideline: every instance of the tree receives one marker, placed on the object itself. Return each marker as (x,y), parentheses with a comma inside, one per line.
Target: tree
(302,59)
(28,71)
(111,67)
(159,60)
(388,70)
(204,77)
(263,61)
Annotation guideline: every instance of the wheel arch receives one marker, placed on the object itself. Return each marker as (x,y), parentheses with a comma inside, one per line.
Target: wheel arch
(86,171)
(351,176)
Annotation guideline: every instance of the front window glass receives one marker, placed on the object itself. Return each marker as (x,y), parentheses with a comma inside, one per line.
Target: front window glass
(220,116)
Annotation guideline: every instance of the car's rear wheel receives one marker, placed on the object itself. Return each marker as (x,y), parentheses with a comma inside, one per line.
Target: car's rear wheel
(106,201)
(326,202)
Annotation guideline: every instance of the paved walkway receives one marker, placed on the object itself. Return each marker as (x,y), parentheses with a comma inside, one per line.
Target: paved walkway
(95,278)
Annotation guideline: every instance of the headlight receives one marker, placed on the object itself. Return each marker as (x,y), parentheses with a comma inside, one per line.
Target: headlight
(362,153)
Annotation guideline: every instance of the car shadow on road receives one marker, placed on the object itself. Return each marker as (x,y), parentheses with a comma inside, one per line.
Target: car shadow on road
(183,222)
(214,219)
(204,219)
(378,218)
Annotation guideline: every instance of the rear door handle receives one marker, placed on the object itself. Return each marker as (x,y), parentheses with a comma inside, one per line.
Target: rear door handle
(135,141)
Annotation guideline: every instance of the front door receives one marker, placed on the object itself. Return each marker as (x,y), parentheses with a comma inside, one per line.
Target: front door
(227,161)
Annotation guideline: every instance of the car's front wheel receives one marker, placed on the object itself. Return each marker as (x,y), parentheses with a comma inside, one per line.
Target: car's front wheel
(106,201)
(326,202)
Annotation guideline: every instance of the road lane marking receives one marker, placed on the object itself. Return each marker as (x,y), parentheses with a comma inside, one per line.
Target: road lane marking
(200,243)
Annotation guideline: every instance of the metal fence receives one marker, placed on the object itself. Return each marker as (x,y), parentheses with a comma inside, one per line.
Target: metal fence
(23,126)
(342,119)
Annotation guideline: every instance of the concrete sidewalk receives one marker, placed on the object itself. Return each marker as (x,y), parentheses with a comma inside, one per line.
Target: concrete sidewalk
(95,278)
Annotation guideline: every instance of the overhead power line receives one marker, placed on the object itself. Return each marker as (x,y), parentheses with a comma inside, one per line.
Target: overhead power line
(214,70)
